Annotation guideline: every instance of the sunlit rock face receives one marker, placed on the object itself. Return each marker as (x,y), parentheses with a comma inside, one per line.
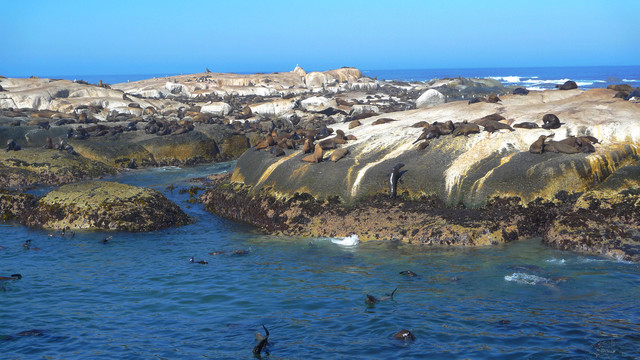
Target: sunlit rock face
(66,96)
(469,169)
(104,205)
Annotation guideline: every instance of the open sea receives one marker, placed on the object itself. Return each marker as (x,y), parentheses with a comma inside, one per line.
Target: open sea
(139,297)
(533,78)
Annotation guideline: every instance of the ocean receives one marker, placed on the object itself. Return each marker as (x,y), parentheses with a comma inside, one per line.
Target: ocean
(139,297)
(533,78)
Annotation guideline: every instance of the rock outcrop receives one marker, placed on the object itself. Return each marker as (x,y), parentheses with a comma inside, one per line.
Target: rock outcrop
(453,188)
(105,206)
(430,98)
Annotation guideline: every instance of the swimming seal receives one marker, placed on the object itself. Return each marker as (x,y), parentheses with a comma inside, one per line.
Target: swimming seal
(393,179)
(408,273)
(203,262)
(262,344)
(13,277)
(404,335)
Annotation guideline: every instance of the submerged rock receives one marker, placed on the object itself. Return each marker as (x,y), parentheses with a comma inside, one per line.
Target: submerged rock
(104,205)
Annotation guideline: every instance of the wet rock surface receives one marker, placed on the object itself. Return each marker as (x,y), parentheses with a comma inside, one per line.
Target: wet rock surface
(105,206)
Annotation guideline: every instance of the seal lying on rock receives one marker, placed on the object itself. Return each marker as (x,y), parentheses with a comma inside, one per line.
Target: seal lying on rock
(466,129)
(526,125)
(338,154)
(538,145)
(550,121)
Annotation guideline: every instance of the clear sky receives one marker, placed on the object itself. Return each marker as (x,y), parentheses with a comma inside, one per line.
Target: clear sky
(148,37)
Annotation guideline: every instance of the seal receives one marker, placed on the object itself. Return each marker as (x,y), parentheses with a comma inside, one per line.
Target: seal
(550,121)
(13,277)
(420,124)
(308,146)
(354,123)
(338,154)
(316,157)
(393,179)
(404,335)
(567,147)
(492,126)
(493,98)
(526,125)
(262,344)
(423,145)
(466,129)
(276,151)
(538,145)
(489,118)
(203,262)
(382,121)
(408,273)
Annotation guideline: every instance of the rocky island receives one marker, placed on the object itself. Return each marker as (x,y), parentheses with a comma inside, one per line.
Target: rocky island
(456,161)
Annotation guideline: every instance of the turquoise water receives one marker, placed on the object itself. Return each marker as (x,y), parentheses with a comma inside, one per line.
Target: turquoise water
(138,297)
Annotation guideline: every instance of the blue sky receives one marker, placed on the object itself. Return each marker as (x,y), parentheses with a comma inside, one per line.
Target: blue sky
(147,37)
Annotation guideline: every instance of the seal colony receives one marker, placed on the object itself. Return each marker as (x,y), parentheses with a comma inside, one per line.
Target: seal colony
(475,173)
(318,148)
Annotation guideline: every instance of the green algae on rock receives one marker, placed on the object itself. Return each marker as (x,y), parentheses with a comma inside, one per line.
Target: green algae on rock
(605,220)
(52,167)
(13,205)
(105,205)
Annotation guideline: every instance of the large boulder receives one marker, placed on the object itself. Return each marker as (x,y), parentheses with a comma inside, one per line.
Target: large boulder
(430,98)
(104,205)
(51,167)
(217,108)
(274,108)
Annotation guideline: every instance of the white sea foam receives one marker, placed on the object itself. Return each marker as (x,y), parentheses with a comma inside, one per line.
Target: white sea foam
(630,80)
(556,261)
(168,168)
(527,279)
(512,78)
(351,240)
